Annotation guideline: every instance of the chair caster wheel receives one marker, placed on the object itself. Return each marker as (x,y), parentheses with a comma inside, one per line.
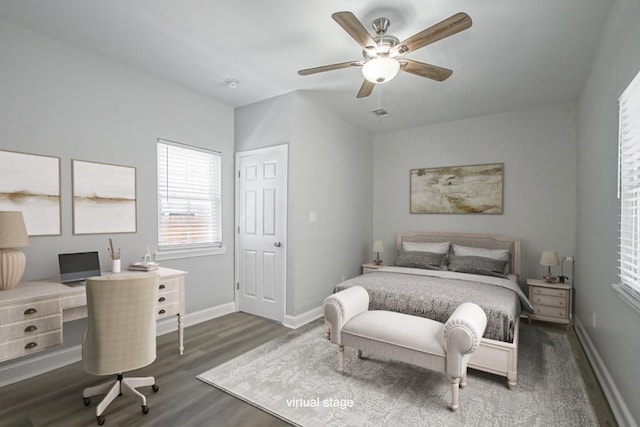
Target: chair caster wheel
(100,420)
(155,388)
(145,409)
(86,401)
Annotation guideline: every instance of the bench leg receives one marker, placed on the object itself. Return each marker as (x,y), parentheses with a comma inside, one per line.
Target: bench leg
(455,386)
(359,354)
(463,381)
(512,380)
(341,359)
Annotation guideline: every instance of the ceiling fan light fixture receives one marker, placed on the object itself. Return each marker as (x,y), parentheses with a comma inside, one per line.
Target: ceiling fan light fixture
(380,69)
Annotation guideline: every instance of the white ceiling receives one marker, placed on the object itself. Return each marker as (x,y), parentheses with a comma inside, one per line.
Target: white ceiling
(518,53)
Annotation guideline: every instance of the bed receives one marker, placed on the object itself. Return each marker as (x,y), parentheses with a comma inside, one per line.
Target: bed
(435,291)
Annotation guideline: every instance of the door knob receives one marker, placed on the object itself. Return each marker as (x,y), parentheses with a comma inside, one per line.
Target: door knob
(277,244)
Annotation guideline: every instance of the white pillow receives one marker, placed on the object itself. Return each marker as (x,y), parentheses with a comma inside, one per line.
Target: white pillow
(436,248)
(497,254)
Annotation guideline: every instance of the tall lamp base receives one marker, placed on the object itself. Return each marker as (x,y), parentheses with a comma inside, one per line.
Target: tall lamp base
(12,263)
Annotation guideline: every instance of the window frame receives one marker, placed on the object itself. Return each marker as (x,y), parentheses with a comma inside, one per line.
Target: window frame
(629,194)
(187,250)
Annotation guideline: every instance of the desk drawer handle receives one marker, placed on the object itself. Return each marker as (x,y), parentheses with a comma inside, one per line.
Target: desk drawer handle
(31,328)
(30,311)
(161,312)
(161,286)
(162,299)
(31,345)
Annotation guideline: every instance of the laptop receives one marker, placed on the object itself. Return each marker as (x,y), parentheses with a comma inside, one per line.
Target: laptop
(76,268)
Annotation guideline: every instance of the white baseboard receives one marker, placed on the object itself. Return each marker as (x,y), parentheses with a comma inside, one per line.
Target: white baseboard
(614,397)
(294,322)
(24,369)
(169,324)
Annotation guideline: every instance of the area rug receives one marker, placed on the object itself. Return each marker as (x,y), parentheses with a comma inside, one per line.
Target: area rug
(294,377)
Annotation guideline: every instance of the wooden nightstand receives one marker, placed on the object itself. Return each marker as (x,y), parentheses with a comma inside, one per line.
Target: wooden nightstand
(551,301)
(369,267)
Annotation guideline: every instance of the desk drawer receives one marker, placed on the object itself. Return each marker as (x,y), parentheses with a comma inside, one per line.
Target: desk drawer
(31,327)
(552,301)
(74,301)
(165,298)
(168,285)
(30,311)
(166,310)
(27,345)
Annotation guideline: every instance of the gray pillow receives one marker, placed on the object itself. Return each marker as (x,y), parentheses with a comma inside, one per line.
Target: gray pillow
(477,265)
(426,260)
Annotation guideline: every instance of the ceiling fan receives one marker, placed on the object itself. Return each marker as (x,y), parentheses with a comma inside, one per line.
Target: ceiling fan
(384,53)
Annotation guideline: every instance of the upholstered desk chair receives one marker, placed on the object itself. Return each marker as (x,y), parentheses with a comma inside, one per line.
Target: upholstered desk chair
(120,337)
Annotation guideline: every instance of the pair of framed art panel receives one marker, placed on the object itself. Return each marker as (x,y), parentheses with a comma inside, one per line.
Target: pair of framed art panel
(103,195)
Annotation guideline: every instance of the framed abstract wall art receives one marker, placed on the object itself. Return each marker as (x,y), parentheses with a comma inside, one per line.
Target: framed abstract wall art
(30,183)
(104,198)
(457,189)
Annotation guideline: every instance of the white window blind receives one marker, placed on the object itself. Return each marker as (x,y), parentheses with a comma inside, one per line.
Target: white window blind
(189,197)
(629,187)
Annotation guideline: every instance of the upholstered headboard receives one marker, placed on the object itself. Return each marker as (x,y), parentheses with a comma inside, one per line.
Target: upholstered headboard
(487,241)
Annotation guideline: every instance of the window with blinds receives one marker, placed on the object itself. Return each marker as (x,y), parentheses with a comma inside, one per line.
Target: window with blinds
(629,188)
(189,197)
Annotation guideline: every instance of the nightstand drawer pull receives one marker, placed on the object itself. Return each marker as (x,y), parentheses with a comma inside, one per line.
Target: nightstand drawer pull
(29,311)
(161,299)
(162,286)
(31,328)
(31,345)
(162,312)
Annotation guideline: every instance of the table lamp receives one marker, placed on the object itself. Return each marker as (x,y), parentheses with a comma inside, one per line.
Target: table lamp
(377,248)
(549,258)
(13,234)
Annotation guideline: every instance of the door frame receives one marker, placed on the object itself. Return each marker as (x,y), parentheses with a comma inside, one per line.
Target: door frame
(236,286)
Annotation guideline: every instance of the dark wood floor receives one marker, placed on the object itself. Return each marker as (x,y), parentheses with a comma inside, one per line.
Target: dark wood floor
(55,397)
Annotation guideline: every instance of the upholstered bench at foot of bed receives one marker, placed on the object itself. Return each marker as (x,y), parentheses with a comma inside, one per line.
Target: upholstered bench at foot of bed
(410,339)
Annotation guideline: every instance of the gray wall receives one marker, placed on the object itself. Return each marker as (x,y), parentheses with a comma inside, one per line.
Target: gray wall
(537,147)
(330,173)
(55,100)
(615,334)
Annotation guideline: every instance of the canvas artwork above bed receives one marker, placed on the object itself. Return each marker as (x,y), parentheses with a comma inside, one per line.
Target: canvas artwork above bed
(436,272)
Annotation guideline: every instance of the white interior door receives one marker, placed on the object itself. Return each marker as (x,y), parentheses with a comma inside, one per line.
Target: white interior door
(261,200)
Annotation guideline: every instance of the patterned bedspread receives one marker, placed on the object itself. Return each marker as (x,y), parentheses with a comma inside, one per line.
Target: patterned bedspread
(436,294)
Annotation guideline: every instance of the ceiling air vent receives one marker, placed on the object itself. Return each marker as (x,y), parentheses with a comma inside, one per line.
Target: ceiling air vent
(381,112)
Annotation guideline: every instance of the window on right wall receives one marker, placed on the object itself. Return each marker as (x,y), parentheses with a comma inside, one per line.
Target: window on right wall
(629,193)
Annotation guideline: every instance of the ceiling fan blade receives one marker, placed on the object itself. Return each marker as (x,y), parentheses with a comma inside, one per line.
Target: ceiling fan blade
(425,70)
(354,27)
(448,27)
(365,89)
(324,68)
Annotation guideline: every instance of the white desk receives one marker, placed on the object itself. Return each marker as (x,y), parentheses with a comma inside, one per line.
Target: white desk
(32,314)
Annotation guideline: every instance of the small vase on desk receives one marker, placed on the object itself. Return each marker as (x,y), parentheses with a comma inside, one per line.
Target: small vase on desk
(115,266)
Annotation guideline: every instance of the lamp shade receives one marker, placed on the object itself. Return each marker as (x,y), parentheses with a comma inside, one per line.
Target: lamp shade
(377,246)
(380,69)
(549,258)
(13,232)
